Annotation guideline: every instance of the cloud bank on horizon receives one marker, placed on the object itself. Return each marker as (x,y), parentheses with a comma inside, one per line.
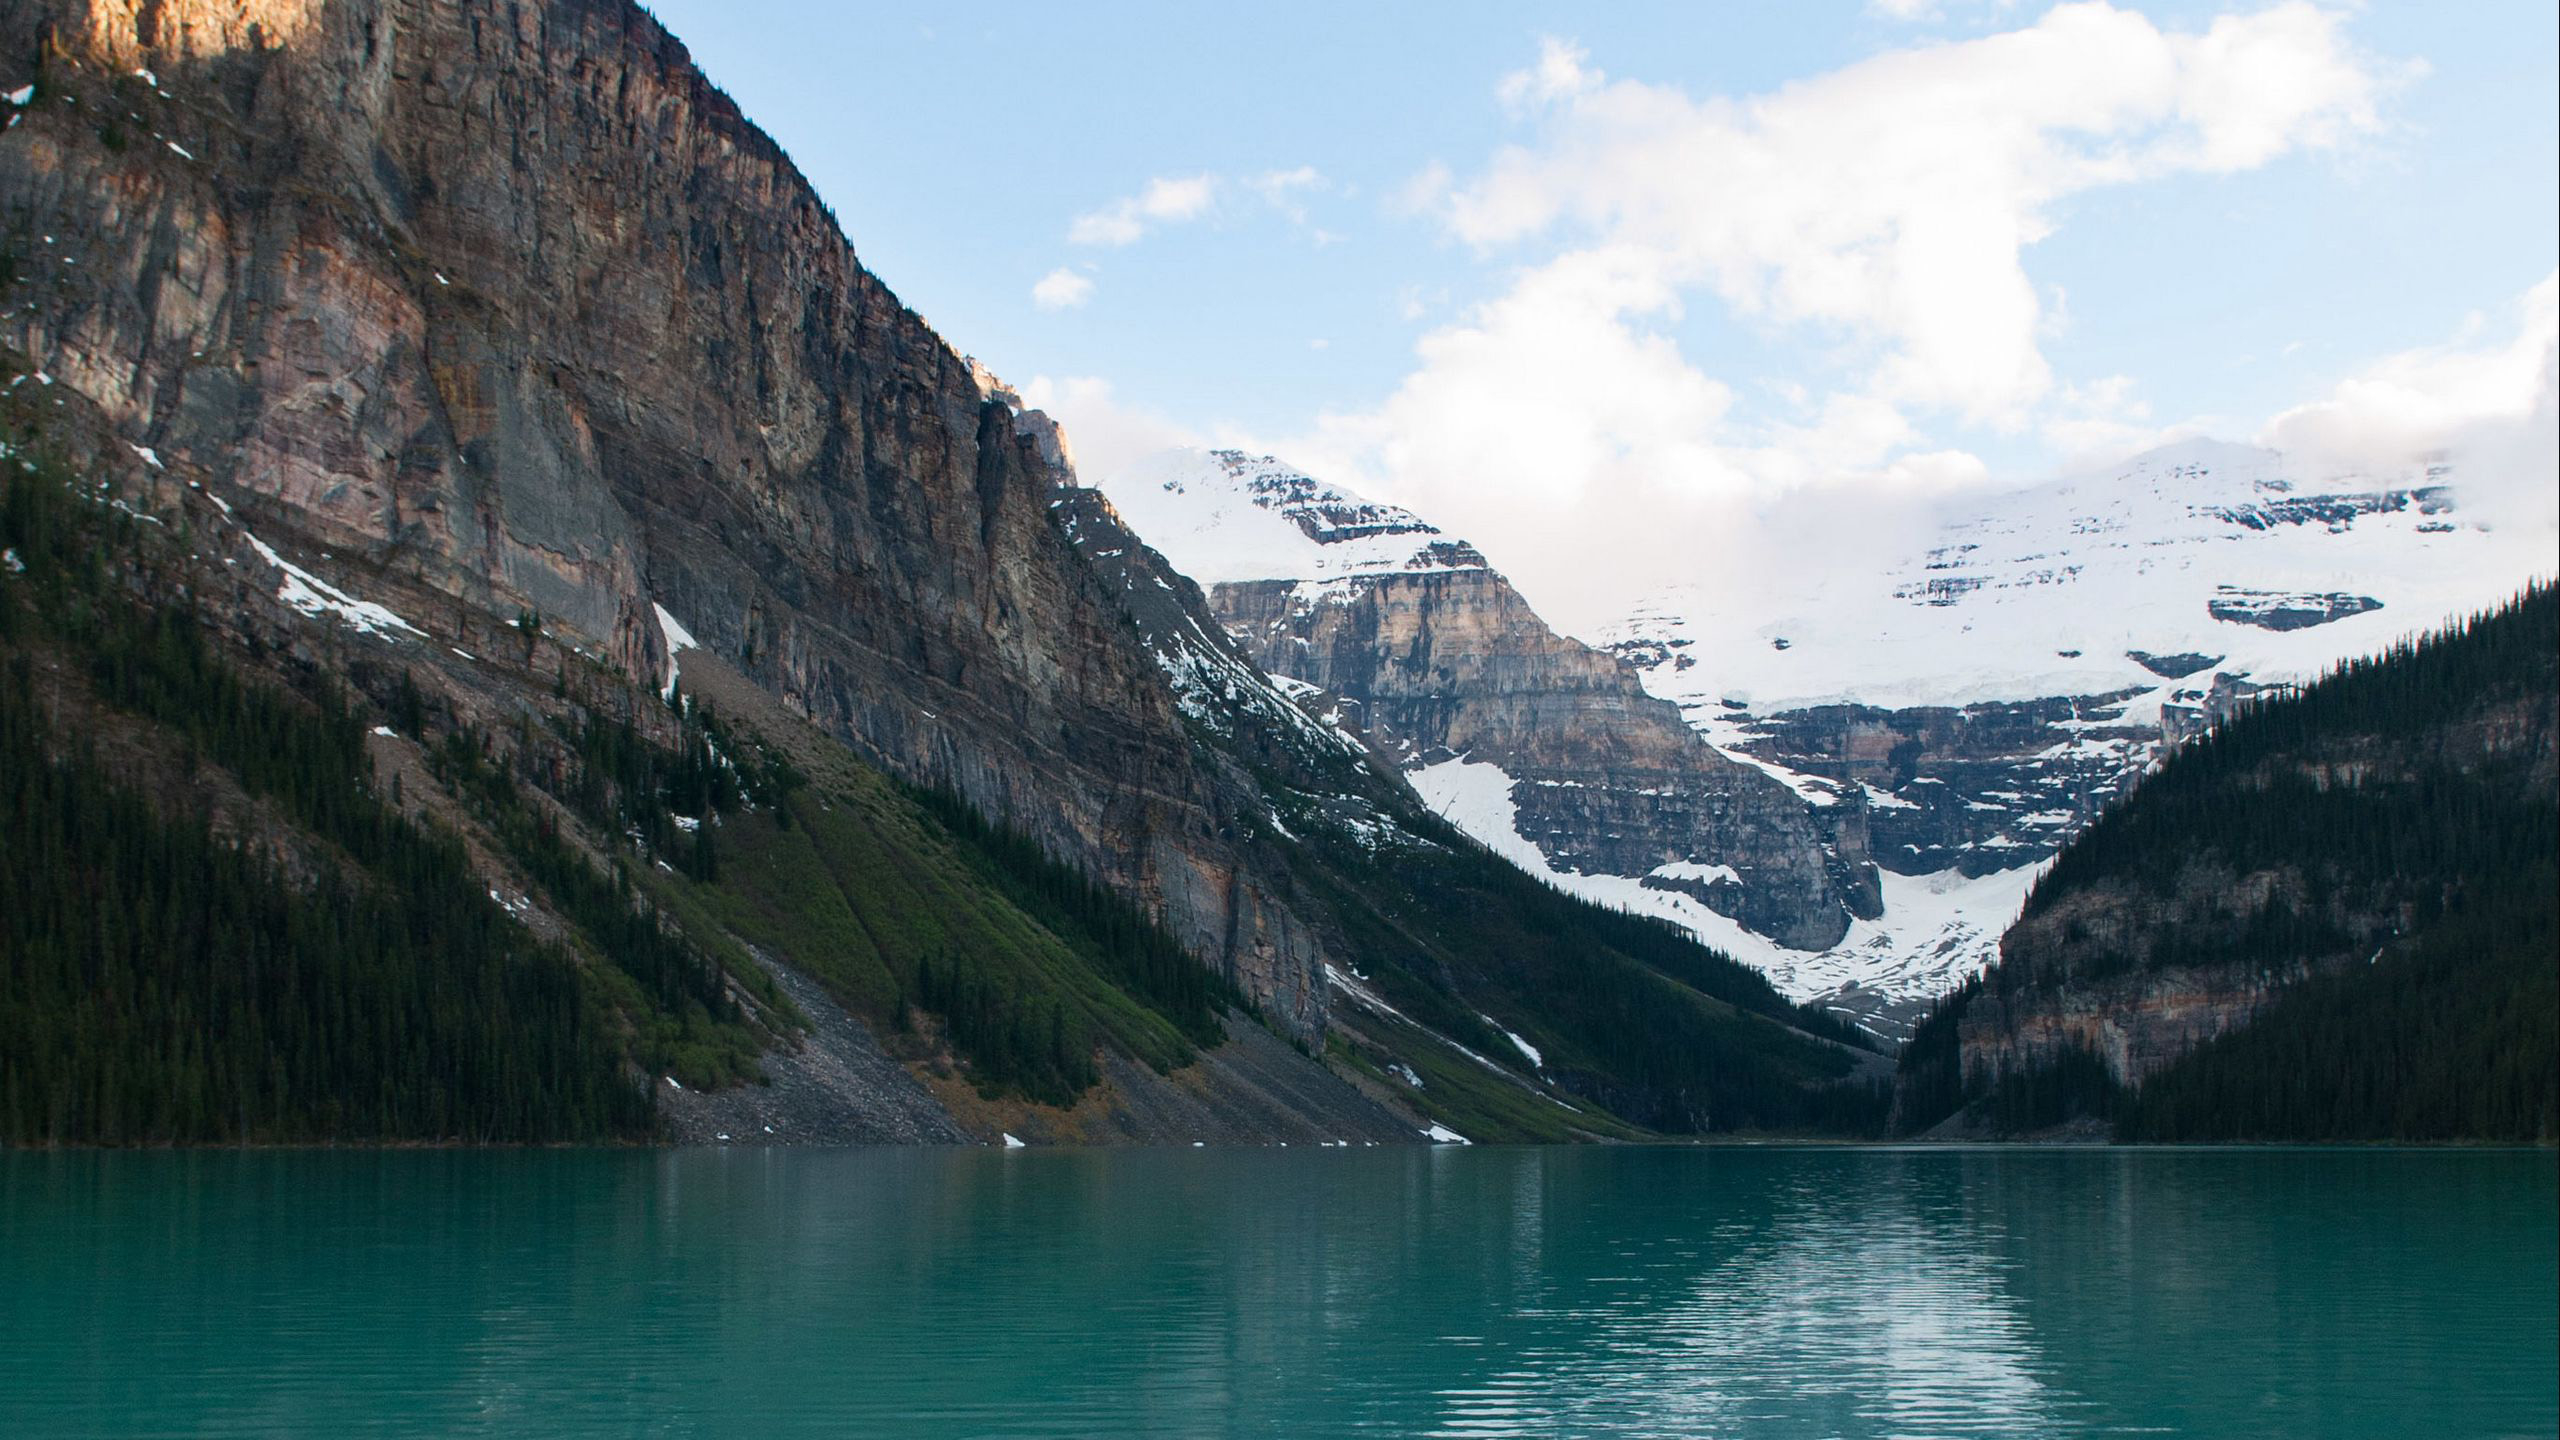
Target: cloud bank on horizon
(1882,214)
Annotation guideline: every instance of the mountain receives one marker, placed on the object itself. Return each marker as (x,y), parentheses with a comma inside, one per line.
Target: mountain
(2333,918)
(470,399)
(1533,742)
(1454,954)
(1994,683)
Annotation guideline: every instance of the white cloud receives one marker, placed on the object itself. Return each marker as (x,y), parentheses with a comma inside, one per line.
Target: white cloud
(1914,11)
(1280,189)
(2253,87)
(2464,394)
(1423,192)
(2101,420)
(1062,289)
(1175,200)
(1890,201)
(1107,434)
(1880,212)
(1166,200)
(1563,71)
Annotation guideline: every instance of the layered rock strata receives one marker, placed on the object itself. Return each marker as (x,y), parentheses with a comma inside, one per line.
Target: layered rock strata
(510,305)
(1431,657)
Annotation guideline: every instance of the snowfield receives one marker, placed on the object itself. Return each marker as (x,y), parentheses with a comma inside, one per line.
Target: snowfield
(1222,515)
(1936,929)
(2054,590)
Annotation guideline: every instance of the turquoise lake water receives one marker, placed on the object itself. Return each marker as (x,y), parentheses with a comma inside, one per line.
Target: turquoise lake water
(1483,1292)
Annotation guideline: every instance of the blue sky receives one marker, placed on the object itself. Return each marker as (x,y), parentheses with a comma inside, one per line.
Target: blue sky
(1548,273)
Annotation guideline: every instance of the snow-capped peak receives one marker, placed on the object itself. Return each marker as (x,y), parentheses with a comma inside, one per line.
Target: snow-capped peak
(1224,515)
(2228,554)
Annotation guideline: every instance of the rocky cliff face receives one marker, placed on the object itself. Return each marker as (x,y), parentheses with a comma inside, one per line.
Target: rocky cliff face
(1434,659)
(1438,665)
(1469,987)
(1971,789)
(506,309)
(2142,1008)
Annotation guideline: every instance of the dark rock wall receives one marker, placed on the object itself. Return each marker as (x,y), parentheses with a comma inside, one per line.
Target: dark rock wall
(1974,788)
(507,300)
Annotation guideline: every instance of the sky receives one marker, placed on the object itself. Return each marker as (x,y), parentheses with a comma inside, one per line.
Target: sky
(1606,289)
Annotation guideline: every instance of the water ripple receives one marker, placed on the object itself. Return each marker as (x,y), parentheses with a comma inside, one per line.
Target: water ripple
(1524,1292)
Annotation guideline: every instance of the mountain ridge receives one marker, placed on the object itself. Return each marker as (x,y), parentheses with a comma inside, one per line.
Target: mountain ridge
(474,365)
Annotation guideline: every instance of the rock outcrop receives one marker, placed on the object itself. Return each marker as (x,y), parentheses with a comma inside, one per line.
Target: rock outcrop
(509,305)
(2284,610)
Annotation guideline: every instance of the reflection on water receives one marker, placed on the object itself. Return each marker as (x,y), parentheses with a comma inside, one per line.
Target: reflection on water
(1820,1311)
(1479,1292)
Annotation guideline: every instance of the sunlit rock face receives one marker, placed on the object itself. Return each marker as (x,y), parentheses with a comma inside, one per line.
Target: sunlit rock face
(511,303)
(140,31)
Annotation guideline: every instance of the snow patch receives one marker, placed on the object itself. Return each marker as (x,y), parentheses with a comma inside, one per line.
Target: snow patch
(1525,1048)
(1935,930)
(1440,1134)
(1222,515)
(1704,874)
(315,597)
(678,638)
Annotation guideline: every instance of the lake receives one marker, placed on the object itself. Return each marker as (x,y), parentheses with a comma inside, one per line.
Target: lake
(1471,1292)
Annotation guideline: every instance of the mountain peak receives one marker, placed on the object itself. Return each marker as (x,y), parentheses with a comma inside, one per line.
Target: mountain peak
(1228,515)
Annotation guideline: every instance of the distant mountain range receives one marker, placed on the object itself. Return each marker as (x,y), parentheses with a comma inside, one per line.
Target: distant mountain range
(1924,733)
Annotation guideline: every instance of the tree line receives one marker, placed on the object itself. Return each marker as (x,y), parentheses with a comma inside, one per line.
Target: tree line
(2406,805)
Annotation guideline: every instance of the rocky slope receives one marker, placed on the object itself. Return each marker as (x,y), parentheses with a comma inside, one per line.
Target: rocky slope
(1439,665)
(711,921)
(1997,681)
